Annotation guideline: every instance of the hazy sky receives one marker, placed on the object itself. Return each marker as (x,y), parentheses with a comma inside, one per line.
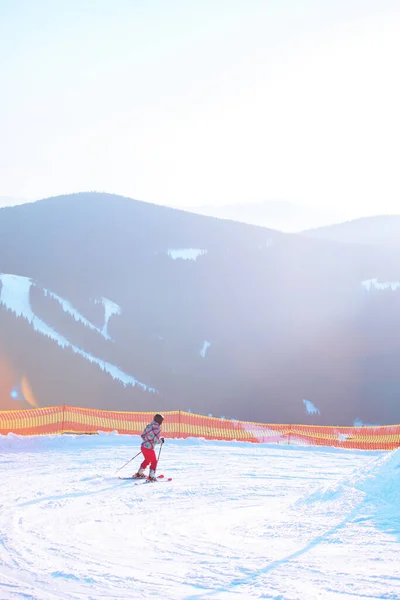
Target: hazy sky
(188,102)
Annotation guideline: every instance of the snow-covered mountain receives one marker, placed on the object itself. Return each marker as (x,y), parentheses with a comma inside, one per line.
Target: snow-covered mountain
(113,303)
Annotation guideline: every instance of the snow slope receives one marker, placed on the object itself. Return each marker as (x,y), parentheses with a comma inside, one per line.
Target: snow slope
(15,296)
(237,521)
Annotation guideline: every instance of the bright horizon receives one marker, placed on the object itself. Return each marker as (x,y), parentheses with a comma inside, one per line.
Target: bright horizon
(211,103)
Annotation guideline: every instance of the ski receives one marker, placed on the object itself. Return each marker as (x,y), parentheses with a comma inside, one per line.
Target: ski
(158,480)
(140,480)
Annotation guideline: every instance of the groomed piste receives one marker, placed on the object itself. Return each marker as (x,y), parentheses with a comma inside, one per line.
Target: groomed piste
(238,520)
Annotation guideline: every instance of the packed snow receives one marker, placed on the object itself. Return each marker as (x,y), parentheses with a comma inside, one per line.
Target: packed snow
(14,295)
(205,347)
(237,521)
(110,308)
(186,253)
(69,309)
(374,284)
(311,409)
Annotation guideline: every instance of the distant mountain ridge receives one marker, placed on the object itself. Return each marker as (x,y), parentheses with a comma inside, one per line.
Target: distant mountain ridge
(281,215)
(379,231)
(11,201)
(113,303)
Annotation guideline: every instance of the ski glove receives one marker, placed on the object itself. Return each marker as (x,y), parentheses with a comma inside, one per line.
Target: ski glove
(162,440)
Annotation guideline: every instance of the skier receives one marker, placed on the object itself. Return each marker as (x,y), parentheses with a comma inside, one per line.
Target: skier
(150,436)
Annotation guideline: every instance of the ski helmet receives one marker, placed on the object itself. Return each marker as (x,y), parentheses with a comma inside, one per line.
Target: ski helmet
(158,419)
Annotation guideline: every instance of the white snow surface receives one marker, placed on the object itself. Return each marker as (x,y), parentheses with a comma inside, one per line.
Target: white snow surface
(311,409)
(186,253)
(14,295)
(206,345)
(237,521)
(69,309)
(374,284)
(110,308)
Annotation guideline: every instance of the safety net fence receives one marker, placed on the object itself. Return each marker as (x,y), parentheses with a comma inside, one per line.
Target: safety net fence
(181,424)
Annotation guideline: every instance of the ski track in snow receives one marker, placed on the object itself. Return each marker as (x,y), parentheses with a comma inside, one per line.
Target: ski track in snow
(237,521)
(70,310)
(110,308)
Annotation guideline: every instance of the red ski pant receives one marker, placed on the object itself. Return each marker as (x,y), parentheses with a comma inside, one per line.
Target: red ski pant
(149,458)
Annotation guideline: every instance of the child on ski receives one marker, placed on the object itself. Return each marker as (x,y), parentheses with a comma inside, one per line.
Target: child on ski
(150,436)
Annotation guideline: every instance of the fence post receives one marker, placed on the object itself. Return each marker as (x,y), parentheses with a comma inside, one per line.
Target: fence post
(63,418)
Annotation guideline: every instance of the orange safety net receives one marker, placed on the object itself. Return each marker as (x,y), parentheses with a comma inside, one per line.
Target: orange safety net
(181,424)
(37,421)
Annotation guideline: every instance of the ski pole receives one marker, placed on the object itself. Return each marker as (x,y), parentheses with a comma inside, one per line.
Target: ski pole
(158,457)
(127,463)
